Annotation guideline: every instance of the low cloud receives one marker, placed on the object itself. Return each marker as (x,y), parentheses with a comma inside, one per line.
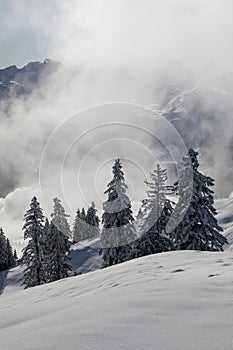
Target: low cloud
(129,51)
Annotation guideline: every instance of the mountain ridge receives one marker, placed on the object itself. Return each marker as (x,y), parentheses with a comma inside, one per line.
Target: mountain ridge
(16,82)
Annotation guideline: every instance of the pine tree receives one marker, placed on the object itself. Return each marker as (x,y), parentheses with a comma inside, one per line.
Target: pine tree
(77,230)
(118,230)
(34,273)
(198,229)
(157,210)
(15,256)
(58,244)
(10,256)
(6,255)
(59,218)
(3,251)
(86,225)
(83,214)
(92,221)
(46,256)
(83,225)
(58,250)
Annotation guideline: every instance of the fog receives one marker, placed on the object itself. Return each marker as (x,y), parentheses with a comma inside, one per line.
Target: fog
(118,57)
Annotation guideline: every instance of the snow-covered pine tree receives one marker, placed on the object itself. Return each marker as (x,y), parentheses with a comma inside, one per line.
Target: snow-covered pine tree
(80,228)
(10,255)
(118,230)
(6,254)
(76,232)
(15,255)
(58,243)
(46,254)
(92,221)
(58,250)
(83,225)
(59,218)
(3,251)
(34,274)
(199,229)
(83,214)
(157,210)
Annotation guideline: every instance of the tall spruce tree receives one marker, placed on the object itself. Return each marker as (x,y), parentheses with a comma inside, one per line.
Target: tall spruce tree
(15,255)
(59,218)
(157,210)
(58,254)
(92,221)
(198,229)
(47,256)
(10,255)
(34,274)
(7,259)
(118,230)
(3,251)
(80,229)
(58,244)
(83,225)
(77,228)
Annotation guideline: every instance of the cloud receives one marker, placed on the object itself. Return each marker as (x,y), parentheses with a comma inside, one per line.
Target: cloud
(12,210)
(125,50)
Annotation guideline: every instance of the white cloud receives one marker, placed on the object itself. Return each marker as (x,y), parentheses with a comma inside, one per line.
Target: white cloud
(13,208)
(125,50)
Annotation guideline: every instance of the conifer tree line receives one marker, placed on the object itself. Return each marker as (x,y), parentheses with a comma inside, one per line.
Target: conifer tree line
(46,256)
(161,225)
(86,224)
(8,258)
(192,218)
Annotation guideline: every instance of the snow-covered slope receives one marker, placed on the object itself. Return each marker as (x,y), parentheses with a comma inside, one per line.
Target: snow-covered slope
(85,256)
(11,280)
(225,218)
(177,301)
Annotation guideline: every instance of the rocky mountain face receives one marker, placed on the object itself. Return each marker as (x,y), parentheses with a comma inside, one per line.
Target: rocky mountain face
(18,82)
(203,118)
(197,113)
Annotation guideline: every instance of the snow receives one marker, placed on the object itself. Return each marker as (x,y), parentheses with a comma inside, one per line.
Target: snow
(171,301)
(15,82)
(11,280)
(225,219)
(85,256)
(179,301)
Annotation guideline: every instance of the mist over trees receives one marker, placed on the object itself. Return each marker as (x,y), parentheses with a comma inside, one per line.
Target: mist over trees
(172,217)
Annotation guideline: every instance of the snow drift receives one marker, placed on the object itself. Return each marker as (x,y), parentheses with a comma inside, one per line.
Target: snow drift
(177,300)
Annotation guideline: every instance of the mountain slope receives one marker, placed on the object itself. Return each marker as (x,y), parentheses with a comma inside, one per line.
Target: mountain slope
(16,82)
(178,301)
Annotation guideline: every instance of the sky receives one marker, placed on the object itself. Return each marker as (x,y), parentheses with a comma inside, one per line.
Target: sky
(121,51)
(192,32)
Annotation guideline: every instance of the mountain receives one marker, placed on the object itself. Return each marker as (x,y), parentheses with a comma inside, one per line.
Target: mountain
(197,112)
(200,114)
(17,82)
(176,300)
(203,119)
